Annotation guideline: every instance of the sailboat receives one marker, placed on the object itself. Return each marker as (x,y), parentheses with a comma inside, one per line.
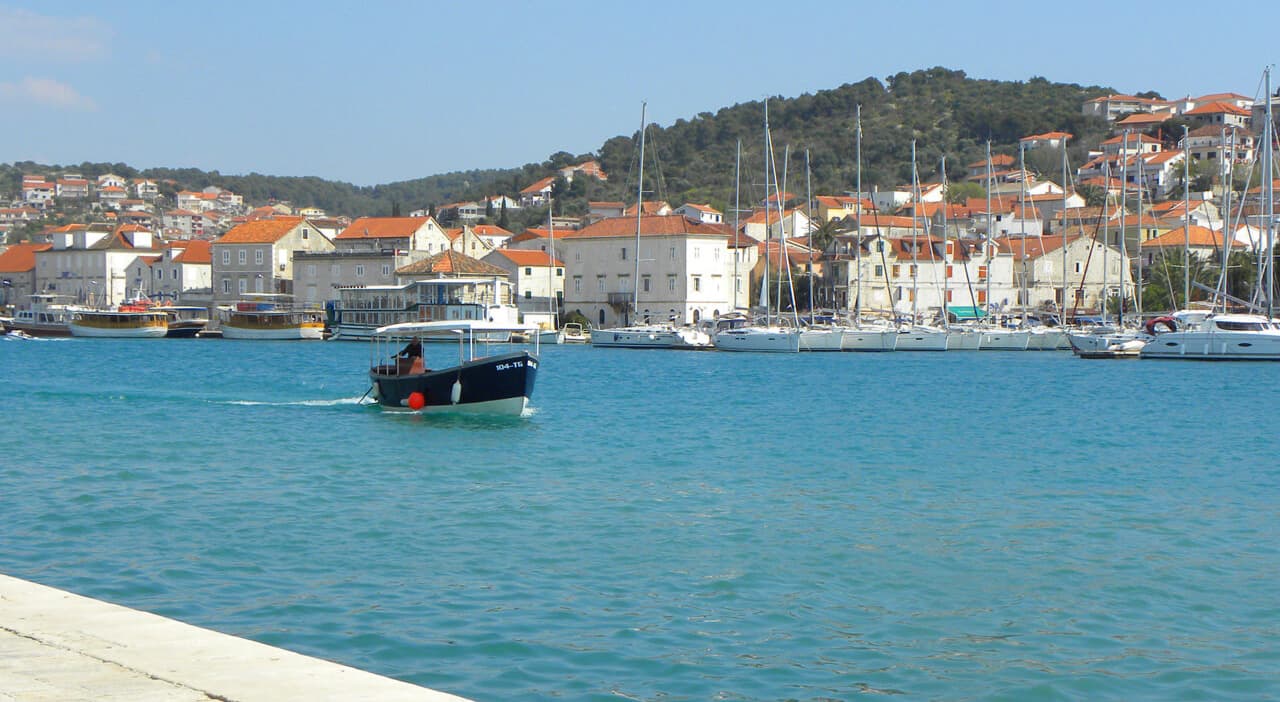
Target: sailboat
(769,336)
(862,335)
(914,336)
(647,336)
(815,336)
(552,335)
(1219,335)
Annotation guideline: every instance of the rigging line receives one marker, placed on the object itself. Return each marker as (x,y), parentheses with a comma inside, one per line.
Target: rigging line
(661,189)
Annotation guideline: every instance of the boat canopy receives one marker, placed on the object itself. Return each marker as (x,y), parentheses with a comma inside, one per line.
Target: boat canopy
(449,326)
(967,312)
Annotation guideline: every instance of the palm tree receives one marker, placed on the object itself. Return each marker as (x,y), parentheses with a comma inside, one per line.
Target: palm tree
(1163,289)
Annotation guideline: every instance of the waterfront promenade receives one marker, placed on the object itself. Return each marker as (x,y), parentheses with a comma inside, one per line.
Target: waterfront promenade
(58,646)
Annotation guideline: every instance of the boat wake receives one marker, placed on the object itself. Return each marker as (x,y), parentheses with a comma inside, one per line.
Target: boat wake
(296,403)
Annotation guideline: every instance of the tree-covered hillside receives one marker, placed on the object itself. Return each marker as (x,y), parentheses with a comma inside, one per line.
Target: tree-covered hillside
(692,160)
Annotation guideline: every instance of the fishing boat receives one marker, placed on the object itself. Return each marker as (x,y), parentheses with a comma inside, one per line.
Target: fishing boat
(499,384)
(123,322)
(269,316)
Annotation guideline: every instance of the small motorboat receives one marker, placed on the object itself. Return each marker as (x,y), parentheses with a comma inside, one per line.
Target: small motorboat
(497,384)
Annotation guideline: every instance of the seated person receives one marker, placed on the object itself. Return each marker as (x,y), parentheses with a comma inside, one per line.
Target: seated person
(409,360)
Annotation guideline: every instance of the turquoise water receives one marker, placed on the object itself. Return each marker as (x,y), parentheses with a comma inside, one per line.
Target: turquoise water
(673,526)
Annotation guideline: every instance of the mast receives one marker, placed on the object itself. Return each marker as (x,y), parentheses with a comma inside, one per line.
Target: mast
(1226,172)
(737,182)
(946,262)
(808,194)
(768,154)
(990,223)
(1269,197)
(1106,231)
(635,295)
(915,238)
(1062,308)
(551,268)
(1141,165)
(1186,219)
(782,223)
(857,305)
(1124,225)
(1022,226)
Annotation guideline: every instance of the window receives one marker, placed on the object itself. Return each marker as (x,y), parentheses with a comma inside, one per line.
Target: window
(311,270)
(715,254)
(697,250)
(175,274)
(577,283)
(257,257)
(359,270)
(528,271)
(241,257)
(897,270)
(624,253)
(982,272)
(697,282)
(915,270)
(159,274)
(226,259)
(386,270)
(600,283)
(673,253)
(879,271)
(577,256)
(305,232)
(528,294)
(671,283)
(644,283)
(559,272)
(243,286)
(335,270)
(624,283)
(1078,268)
(950,272)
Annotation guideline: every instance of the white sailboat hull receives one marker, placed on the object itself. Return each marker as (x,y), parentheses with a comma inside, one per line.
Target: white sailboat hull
(1217,345)
(760,339)
(1005,340)
(1048,339)
(821,340)
(922,339)
(650,337)
(871,340)
(963,339)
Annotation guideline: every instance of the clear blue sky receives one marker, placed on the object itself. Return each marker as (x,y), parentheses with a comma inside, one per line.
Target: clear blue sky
(374,92)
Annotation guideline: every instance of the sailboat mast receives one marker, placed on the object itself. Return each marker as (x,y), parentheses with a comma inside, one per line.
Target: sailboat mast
(915,238)
(635,295)
(1106,231)
(1186,219)
(1062,308)
(1124,224)
(737,252)
(946,262)
(990,223)
(551,268)
(782,226)
(1022,219)
(1268,194)
(857,303)
(808,194)
(1141,165)
(768,155)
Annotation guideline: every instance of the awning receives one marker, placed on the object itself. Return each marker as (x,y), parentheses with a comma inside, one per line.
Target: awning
(967,312)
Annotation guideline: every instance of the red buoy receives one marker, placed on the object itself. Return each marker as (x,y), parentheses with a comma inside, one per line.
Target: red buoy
(417,400)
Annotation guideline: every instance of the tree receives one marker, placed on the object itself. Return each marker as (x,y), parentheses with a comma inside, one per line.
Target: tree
(1093,195)
(1164,285)
(959,193)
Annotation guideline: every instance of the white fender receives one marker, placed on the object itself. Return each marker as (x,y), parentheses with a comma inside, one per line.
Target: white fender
(455,395)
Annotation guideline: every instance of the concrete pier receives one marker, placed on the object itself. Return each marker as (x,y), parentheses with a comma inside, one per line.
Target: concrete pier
(58,646)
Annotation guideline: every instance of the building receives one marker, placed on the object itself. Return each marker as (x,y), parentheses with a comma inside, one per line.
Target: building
(1202,243)
(538,193)
(1038,272)
(537,281)
(184,270)
(258,256)
(700,213)
(682,268)
(18,273)
(95,264)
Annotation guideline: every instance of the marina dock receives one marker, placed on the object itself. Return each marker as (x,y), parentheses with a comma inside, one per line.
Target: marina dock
(58,646)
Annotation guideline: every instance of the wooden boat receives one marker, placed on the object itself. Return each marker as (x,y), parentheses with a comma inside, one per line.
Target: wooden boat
(123,322)
(264,316)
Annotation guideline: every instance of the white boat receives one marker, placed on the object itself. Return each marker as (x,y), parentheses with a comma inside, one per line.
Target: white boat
(45,316)
(822,338)
(921,337)
(1107,342)
(1048,339)
(359,311)
(768,339)
(573,333)
(550,336)
(996,338)
(651,336)
(1215,336)
(124,322)
(185,321)
(963,338)
(269,316)
(869,338)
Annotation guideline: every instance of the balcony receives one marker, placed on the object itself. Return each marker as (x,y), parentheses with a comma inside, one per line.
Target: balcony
(620,300)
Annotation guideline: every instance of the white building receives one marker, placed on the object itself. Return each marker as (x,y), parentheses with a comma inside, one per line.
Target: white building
(536,278)
(95,264)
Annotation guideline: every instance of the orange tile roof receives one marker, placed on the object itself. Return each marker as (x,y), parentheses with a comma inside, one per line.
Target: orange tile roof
(1146,118)
(650,225)
(262,231)
(21,258)
(1029,247)
(1214,108)
(1046,136)
(195,251)
(383,228)
(996,160)
(1133,139)
(522,257)
(1189,236)
(451,261)
(539,186)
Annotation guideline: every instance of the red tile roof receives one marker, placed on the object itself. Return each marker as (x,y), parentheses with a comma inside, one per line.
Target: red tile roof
(1215,108)
(521,257)
(1198,236)
(539,186)
(194,251)
(262,231)
(21,258)
(453,262)
(383,228)
(650,225)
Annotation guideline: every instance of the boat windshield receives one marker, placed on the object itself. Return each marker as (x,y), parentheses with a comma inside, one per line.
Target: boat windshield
(1231,325)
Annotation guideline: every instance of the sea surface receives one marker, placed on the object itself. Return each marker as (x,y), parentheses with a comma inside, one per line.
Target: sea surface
(673,525)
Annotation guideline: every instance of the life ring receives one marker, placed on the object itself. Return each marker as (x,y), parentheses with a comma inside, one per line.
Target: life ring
(1152,326)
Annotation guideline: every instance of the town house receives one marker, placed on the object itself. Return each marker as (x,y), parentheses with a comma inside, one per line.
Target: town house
(368,252)
(257,257)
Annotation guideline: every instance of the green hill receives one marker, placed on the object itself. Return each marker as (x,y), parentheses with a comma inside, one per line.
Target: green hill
(692,160)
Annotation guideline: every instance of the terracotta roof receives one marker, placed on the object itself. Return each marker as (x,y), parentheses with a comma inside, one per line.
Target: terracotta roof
(650,207)
(1214,108)
(539,186)
(195,251)
(996,160)
(1221,96)
(1029,247)
(490,230)
(1133,139)
(262,231)
(521,257)
(650,225)
(1198,236)
(383,228)
(1046,136)
(1146,118)
(21,258)
(450,262)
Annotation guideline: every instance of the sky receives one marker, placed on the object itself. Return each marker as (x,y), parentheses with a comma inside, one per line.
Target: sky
(381,91)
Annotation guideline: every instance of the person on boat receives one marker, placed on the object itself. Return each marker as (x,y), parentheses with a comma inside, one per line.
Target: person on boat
(409,360)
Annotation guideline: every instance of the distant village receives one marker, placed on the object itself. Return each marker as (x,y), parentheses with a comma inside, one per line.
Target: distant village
(889,250)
